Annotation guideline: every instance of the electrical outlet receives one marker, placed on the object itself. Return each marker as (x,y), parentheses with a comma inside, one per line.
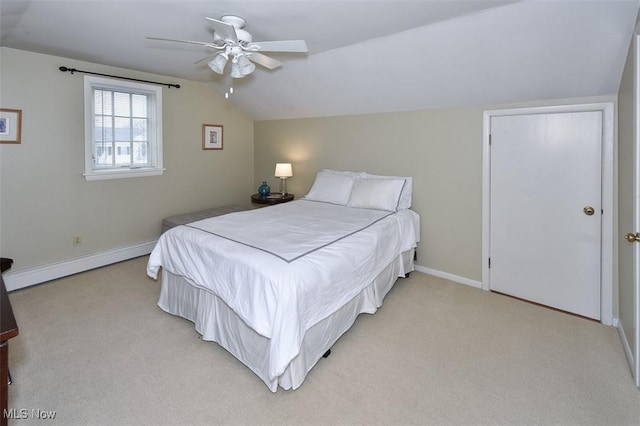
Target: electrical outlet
(77,240)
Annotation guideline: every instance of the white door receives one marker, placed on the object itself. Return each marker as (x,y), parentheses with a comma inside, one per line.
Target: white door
(545,209)
(629,217)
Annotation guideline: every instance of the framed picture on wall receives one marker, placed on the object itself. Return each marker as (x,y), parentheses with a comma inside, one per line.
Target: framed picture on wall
(10,125)
(211,136)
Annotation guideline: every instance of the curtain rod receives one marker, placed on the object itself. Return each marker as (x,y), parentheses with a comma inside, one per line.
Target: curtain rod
(72,70)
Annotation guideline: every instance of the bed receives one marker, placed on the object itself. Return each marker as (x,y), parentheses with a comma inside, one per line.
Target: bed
(277,286)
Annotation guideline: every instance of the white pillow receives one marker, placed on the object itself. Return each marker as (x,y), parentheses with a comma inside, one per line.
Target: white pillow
(379,194)
(407,191)
(355,175)
(331,188)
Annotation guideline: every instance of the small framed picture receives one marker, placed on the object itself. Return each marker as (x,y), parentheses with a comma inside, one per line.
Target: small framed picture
(10,125)
(211,136)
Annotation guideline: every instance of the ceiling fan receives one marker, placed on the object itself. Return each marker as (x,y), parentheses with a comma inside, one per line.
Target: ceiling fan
(230,40)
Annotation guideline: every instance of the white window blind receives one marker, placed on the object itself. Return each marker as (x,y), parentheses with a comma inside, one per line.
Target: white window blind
(123,129)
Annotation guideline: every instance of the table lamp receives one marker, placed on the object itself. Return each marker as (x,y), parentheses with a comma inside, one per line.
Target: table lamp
(283,171)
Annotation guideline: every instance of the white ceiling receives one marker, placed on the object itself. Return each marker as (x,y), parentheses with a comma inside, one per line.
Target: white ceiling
(365,56)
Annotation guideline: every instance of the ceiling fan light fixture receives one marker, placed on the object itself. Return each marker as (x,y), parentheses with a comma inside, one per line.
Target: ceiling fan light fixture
(235,70)
(235,43)
(246,66)
(218,63)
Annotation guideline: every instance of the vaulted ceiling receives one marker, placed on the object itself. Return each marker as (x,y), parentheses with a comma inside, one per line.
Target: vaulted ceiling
(365,56)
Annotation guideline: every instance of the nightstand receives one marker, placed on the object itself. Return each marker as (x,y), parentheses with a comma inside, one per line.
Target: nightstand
(271,199)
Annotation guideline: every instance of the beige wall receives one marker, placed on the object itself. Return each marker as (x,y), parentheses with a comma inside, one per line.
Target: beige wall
(45,200)
(441,149)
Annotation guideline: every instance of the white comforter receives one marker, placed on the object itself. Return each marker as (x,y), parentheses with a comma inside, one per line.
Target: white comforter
(284,268)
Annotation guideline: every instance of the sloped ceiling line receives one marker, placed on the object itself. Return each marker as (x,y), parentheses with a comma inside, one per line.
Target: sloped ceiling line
(366,56)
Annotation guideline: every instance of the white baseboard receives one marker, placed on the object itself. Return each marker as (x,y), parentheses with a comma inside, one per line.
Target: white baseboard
(625,344)
(448,276)
(40,274)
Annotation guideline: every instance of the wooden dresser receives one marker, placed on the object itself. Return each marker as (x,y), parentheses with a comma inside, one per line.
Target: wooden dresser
(8,329)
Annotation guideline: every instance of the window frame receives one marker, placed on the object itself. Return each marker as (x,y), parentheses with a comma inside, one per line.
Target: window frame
(155,128)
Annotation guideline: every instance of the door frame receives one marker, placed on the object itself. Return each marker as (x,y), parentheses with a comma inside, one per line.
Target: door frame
(635,361)
(608,193)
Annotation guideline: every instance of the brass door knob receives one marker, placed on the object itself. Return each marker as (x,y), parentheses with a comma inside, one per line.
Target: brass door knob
(589,211)
(633,238)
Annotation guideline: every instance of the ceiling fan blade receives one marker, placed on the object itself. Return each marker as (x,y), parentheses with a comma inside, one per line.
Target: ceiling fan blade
(282,46)
(264,60)
(207,58)
(223,30)
(202,43)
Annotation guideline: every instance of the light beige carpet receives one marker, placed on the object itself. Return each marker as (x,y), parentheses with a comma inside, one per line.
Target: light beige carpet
(96,349)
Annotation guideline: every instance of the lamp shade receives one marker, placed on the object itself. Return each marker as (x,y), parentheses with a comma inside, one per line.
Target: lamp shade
(218,63)
(235,70)
(246,66)
(283,170)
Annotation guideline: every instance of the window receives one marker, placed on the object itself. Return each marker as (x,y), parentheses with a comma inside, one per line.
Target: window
(123,129)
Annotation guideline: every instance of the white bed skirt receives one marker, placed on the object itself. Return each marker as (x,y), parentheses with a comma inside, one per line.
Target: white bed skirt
(215,321)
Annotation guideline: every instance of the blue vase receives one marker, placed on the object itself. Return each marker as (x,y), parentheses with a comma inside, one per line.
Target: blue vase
(264,189)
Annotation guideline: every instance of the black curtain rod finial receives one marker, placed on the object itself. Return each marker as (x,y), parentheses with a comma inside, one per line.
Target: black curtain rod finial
(65,69)
(72,70)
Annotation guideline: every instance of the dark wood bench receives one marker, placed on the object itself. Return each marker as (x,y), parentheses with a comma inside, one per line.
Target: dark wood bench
(182,219)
